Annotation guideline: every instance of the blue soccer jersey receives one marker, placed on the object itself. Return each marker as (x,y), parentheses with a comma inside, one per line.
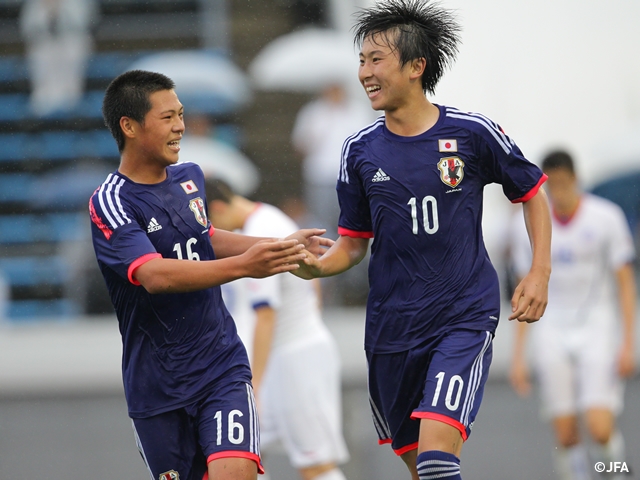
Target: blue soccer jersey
(420,199)
(175,346)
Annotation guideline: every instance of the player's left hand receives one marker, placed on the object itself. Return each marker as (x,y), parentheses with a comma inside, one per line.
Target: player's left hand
(312,240)
(529,300)
(626,361)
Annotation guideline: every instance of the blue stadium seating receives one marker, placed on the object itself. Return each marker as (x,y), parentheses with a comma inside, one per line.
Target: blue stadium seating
(50,227)
(63,145)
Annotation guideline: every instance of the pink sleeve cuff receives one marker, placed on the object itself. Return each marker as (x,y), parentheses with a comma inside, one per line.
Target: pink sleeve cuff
(353,233)
(211,230)
(140,261)
(531,193)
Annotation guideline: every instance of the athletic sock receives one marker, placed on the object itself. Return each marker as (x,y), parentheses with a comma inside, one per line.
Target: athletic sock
(612,451)
(335,474)
(434,464)
(572,463)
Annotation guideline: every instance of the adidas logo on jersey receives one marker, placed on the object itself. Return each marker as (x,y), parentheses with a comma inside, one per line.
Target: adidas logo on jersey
(153,226)
(380,176)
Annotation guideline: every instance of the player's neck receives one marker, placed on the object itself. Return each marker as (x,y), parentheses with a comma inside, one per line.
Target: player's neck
(565,211)
(412,119)
(245,208)
(140,171)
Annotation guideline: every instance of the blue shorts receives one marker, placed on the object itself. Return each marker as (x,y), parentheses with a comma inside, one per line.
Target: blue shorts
(442,379)
(181,443)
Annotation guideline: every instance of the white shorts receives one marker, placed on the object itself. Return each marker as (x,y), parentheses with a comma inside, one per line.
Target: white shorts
(577,368)
(300,402)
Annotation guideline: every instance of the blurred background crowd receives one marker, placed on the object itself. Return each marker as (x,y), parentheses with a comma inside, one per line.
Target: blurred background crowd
(270,92)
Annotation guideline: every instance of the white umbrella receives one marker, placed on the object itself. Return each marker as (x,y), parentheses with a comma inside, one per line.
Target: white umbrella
(205,82)
(306,61)
(222,161)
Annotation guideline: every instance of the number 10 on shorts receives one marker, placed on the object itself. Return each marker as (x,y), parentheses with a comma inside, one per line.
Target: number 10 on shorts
(454,389)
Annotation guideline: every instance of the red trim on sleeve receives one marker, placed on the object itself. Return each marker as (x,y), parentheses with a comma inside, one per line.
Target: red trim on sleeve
(237,454)
(442,418)
(211,230)
(408,448)
(385,441)
(353,233)
(140,261)
(528,196)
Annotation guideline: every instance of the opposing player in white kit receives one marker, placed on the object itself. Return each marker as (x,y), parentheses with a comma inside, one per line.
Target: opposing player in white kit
(580,352)
(294,358)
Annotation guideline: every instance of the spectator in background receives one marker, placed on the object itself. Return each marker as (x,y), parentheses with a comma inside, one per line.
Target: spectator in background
(580,352)
(319,131)
(218,158)
(58,41)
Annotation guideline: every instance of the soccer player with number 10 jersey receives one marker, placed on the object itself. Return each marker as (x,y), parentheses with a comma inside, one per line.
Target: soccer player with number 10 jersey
(413,181)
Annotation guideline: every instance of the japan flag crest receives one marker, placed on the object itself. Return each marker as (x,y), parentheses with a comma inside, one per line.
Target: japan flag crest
(170,475)
(451,170)
(197,207)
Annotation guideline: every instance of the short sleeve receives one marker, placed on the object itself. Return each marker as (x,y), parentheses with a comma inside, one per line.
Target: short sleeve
(504,163)
(620,248)
(264,292)
(119,243)
(355,215)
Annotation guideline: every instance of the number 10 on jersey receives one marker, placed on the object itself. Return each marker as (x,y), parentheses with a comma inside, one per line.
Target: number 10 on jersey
(429,214)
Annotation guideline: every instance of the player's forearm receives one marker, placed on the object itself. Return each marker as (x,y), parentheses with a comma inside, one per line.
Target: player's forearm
(538,222)
(229,244)
(263,338)
(344,254)
(166,275)
(627,297)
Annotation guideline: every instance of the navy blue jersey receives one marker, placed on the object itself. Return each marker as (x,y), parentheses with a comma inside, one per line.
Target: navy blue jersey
(420,198)
(174,345)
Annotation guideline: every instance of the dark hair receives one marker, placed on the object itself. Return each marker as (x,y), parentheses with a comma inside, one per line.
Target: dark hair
(216,189)
(418,29)
(558,159)
(128,96)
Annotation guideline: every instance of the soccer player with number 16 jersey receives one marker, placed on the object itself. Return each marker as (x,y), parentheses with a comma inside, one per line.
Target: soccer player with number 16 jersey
(186,374)
(413,181)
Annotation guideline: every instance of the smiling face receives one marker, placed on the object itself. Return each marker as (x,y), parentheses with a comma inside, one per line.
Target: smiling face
(387,83)
(158,138)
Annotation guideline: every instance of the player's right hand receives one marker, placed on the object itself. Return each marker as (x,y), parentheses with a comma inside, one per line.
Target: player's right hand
(309,267)
(269,257)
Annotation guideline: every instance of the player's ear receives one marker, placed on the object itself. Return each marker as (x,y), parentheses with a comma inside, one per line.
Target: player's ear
(417,67)
(128,127)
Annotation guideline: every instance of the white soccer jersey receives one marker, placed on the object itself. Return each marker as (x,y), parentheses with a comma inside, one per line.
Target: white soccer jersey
(575,343)
(585,253)
(302,379)
(294,299)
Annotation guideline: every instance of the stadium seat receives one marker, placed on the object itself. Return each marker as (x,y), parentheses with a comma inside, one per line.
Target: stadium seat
(49,228)
(36,309)
(30,271)
(61,145)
